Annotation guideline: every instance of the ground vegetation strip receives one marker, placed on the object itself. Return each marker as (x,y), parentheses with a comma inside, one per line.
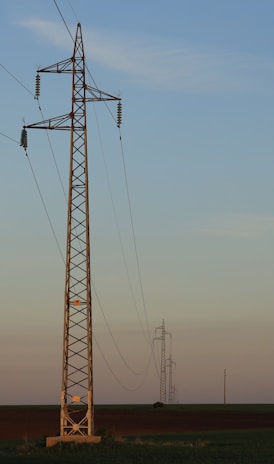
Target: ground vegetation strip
(225,447)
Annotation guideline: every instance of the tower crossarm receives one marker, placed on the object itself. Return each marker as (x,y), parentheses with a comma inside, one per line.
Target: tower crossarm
(59,122)
(64,66)
(99,95)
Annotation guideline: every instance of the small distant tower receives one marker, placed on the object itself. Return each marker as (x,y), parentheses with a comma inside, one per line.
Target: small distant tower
(76,416)
(162,339)
(171,386)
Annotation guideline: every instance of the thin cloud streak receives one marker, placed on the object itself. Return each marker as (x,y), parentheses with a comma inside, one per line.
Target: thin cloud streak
(165,63)
(245,226)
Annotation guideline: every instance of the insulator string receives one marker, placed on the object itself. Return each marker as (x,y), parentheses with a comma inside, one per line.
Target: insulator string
(24,139)
(37,86)
(119,114)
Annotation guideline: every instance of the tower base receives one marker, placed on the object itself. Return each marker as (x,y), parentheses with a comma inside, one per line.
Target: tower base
(52,441)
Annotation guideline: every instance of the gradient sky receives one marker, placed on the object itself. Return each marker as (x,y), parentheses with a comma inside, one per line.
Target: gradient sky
(197,83)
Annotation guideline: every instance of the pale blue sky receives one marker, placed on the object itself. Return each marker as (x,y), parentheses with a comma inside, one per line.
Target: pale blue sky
(197,83)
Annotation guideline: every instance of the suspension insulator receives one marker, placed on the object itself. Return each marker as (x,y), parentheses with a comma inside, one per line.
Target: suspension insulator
(24,139)
(119,113)
(37,86)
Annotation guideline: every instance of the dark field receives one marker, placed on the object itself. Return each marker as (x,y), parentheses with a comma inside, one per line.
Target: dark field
(29,422)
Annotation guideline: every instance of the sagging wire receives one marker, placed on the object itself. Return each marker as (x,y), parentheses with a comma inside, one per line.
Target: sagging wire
(24,144)
(116,377)
(117,223)
(10,138)
(60,13)
(134,237)
(17,80)
(112,336)
(37,95)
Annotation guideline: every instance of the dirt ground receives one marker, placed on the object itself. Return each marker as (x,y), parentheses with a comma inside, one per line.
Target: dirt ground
(38,422)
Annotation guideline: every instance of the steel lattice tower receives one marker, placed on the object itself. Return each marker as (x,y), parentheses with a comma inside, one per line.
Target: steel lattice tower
(171,386)
(76,416)
(162,338)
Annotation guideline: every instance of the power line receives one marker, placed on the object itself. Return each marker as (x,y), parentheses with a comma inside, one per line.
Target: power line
(45,208)
(33,173)
(10,138)
(134,237)
(60,13)
(40,194)
(118,378)
(112,336)
(40,109)
(117,223)
(69,2)
(17,80)
(53,154)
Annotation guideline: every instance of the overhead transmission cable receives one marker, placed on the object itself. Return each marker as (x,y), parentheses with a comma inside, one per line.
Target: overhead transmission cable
(116,377)
(45,208)
(117,222)
(134,236)
(118,228)
(17,80)
(10,138)
(52,152)
(36,97)
(112,336)
(69,2)
(60,13)
(31,167)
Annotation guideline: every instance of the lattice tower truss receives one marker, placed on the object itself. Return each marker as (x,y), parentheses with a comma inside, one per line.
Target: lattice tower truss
(77,409)
(163,363)
(171,386)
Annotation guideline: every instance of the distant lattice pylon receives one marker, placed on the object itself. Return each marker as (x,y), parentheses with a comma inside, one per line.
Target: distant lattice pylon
(162,339)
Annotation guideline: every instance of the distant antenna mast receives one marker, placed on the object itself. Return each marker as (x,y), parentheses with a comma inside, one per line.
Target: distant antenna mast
(77,416)
(225,375)
(162,339)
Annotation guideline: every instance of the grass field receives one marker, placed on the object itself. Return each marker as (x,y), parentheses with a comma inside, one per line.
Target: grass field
(254,446)
(241,447)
